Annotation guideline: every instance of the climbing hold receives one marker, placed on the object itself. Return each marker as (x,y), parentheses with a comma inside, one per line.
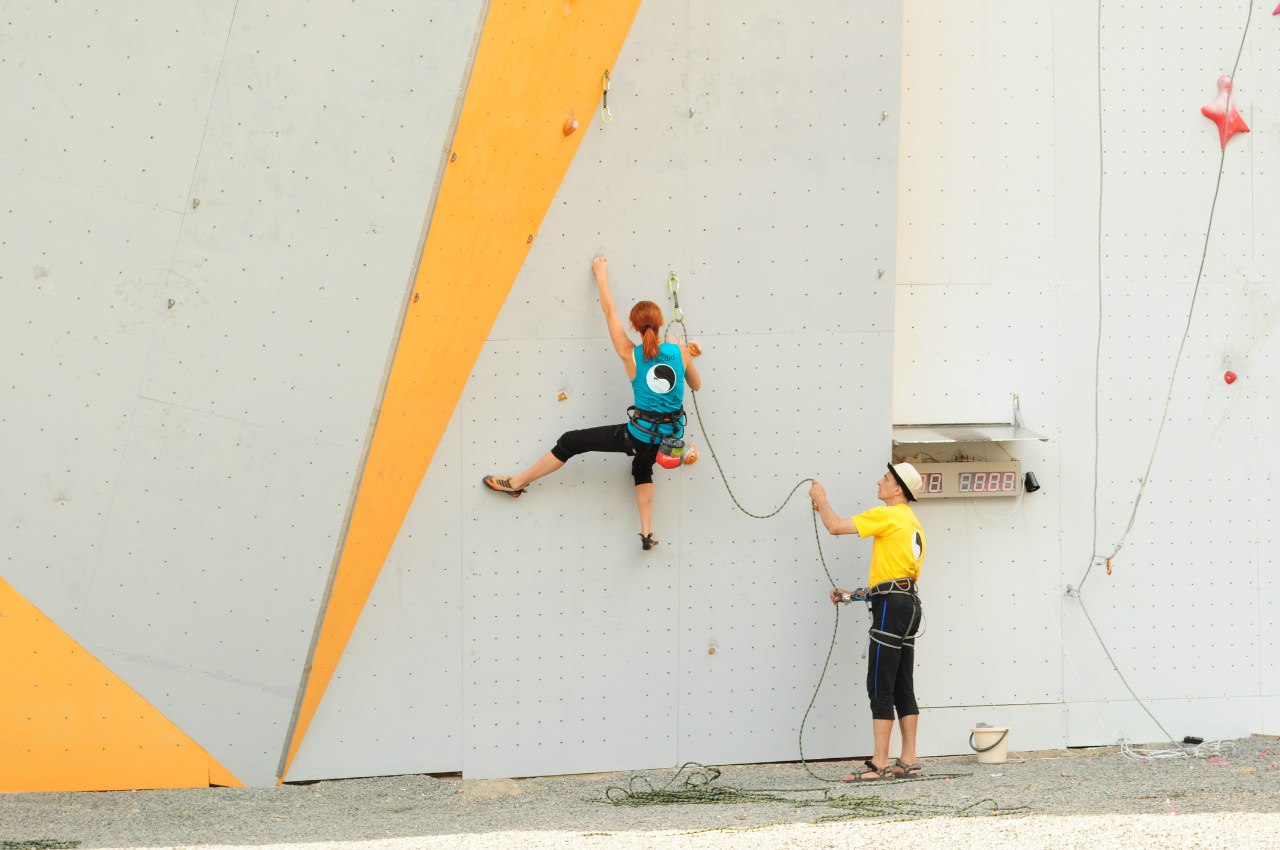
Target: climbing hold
(563,396)
(1230,377)
(694,350)
(570,124)
(1223,112)
(691,456)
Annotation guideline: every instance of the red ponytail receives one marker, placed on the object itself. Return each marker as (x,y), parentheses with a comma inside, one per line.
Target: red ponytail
(646,317)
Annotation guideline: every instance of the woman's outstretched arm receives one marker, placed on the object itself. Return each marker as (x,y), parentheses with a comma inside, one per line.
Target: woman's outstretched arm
(617,333)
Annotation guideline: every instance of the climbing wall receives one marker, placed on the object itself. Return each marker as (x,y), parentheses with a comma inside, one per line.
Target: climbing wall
(249,399)
(579,651)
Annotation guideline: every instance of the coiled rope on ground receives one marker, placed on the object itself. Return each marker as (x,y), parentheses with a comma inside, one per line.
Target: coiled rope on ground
(696,784)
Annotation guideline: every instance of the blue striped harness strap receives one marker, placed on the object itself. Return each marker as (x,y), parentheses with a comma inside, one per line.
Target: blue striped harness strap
(906,587)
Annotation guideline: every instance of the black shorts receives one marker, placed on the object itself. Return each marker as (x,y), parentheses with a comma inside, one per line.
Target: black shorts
(610,438)
(895,618)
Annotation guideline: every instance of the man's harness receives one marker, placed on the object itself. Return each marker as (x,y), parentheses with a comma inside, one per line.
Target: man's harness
(905,587)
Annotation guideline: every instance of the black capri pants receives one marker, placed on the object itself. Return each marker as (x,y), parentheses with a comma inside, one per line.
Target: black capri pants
(895,619)
(610,438)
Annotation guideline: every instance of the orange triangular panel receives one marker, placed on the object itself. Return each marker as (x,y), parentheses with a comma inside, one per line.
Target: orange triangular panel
(67,723)
(537,64)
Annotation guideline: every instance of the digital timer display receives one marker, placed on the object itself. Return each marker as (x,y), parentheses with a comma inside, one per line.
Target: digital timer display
(969,478)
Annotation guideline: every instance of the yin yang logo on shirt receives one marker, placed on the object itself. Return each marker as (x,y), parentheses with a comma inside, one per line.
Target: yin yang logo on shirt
(917,545)
(661,379)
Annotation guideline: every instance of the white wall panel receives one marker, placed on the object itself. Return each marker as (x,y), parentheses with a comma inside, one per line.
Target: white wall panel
(1211,718)
(1179,629)
(977,142)
(1161,153)
(988,586)
(1031,727)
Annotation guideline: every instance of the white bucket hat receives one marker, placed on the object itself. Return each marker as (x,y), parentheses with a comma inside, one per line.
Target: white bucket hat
(908,479)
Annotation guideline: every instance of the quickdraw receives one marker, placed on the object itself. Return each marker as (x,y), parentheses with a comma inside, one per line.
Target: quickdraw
(606,117)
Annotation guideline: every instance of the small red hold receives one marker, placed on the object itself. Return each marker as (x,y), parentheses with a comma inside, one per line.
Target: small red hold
(1230,377)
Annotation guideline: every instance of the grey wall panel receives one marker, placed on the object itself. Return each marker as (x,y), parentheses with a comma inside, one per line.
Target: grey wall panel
(318,167)
(211,571)
(110,103)
(74,337)
(754,589)
(395,703)
(217,218)
(570,631)
(792,179)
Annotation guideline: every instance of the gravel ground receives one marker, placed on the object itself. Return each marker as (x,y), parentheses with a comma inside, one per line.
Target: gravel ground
(1075,798)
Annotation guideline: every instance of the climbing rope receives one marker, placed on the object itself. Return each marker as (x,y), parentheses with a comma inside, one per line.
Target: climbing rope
(673,284)
(695,784)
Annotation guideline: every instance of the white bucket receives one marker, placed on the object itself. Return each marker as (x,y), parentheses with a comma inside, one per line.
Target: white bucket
(991,743)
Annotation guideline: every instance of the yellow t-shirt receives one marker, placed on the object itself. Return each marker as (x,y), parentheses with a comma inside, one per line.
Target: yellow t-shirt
(899,544)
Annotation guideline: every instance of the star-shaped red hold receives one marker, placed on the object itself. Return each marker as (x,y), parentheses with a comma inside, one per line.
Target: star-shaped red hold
(1223,112)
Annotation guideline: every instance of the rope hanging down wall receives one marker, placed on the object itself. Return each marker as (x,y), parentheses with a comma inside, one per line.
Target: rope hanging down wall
(1226,131)
(678,319)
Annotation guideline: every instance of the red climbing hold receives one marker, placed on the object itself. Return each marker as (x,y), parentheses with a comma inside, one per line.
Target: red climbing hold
(1230,377)
(1223,112)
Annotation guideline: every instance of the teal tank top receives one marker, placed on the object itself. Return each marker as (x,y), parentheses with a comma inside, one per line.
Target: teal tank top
(658,387)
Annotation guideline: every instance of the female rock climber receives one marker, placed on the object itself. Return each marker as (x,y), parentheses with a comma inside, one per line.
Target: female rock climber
(658,372)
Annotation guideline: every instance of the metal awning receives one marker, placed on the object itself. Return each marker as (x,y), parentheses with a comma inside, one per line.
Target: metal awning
(964,432)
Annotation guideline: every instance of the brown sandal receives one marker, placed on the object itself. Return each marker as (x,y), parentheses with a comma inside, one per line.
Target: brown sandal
(902,770)
(881,774)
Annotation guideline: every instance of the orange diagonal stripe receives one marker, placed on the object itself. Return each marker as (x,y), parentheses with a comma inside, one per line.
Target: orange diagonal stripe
(70,724)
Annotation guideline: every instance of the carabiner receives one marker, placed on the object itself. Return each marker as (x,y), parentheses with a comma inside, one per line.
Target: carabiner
(673,284)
